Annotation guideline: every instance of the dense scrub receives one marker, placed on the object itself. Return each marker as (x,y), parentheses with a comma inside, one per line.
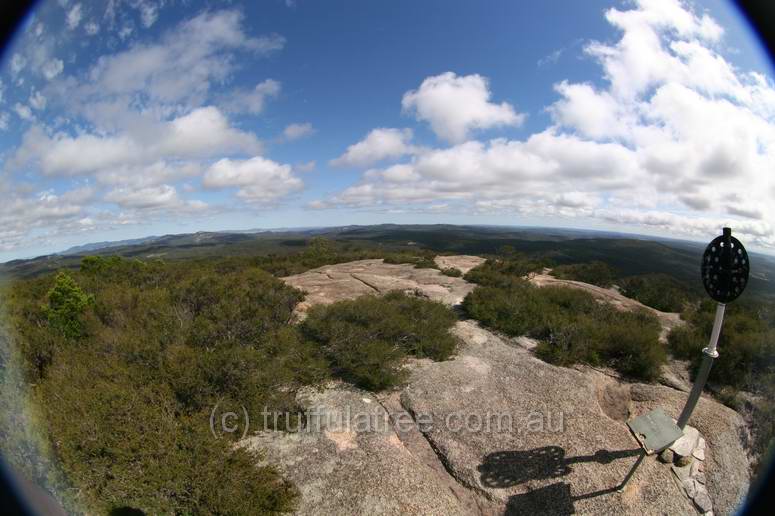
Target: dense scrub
(595,273)
(366,339)
(660,291)
(571,326)
(502,272)
(746,362)
(128,358)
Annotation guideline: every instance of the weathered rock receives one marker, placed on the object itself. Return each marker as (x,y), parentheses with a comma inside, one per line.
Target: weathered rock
(567,448)
(562,449)
(699,450)
(685,444)
(690,485)
(463,263)
(682,472)
(702,500)
(343,465)
(666,456)
(332,283)
(726,465)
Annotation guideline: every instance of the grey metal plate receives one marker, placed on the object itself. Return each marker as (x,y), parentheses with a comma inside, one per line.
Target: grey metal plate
(655,430)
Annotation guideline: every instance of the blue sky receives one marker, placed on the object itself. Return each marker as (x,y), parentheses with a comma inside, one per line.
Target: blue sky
(124,119)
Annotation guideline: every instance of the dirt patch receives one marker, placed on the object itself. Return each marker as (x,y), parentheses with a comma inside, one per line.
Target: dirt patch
(614,400)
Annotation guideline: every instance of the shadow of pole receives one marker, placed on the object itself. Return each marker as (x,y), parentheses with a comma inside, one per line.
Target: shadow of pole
(507,469)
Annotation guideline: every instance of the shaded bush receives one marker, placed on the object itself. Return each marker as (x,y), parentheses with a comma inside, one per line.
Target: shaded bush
(571,326)
(453,272)
(595,273)
(660,291)
(366,339)
(502,272)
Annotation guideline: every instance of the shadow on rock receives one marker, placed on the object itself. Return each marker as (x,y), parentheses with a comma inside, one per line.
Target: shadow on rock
(554,499)
(509,468)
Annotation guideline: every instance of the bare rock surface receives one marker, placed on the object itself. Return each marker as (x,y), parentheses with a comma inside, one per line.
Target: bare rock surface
(332,283)
(462,262)
(350,461)
(495,430)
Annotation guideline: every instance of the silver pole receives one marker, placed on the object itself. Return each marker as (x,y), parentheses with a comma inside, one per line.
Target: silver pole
(710,353)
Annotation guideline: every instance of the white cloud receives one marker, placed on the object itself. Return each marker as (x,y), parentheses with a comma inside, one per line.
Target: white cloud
(258,179)
(296,131)
(37,101)
(51,68)
(182,66)
(203,133)
(379,144)
(675,140)
(74,17)
(253,101)
(455,105)
(24,112)
(91,28)
(148,14)
(149,197)
(18,62)
(5,119)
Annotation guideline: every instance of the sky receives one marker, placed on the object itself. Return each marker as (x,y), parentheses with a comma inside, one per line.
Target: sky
(128,118)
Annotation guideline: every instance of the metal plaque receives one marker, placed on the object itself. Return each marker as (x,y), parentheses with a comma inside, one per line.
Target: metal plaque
(655,430)
(725,268)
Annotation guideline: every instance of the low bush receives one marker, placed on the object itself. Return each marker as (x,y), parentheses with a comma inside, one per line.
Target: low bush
(502,272)
(366,339)
(660,291)
(595,273)
(126,360)
(571,326)
(453,272)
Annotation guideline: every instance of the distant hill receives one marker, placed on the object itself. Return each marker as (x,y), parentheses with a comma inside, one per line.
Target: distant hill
(629,254)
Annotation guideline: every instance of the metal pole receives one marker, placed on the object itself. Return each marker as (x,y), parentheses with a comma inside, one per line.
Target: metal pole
(631,473)
(707,362)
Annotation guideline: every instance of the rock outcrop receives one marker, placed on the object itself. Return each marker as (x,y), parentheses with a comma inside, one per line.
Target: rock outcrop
(332,283)
(493,430)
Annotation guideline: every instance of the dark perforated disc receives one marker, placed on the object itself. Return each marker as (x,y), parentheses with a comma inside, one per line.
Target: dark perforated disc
(725,268)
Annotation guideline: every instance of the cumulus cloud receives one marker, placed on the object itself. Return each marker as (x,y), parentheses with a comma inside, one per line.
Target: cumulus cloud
(676,139)
(296,131)
(254,100)
(182,66)
(258,179)
(205,132)
(51,68)
(379,144)
(24,112)
(456,105)
(74,16)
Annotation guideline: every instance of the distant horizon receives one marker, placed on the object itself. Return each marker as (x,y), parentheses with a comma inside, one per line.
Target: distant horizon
(614,233)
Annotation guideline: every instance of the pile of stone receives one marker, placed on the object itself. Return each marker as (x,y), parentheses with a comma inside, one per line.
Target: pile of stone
(687,459)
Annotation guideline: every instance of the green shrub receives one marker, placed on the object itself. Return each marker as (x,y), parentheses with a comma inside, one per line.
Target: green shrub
(122,442)
(366,339)
(497,272)
(127,404)
(453,272)
(66,304)
(571,326)
(660,291)
(595,273)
